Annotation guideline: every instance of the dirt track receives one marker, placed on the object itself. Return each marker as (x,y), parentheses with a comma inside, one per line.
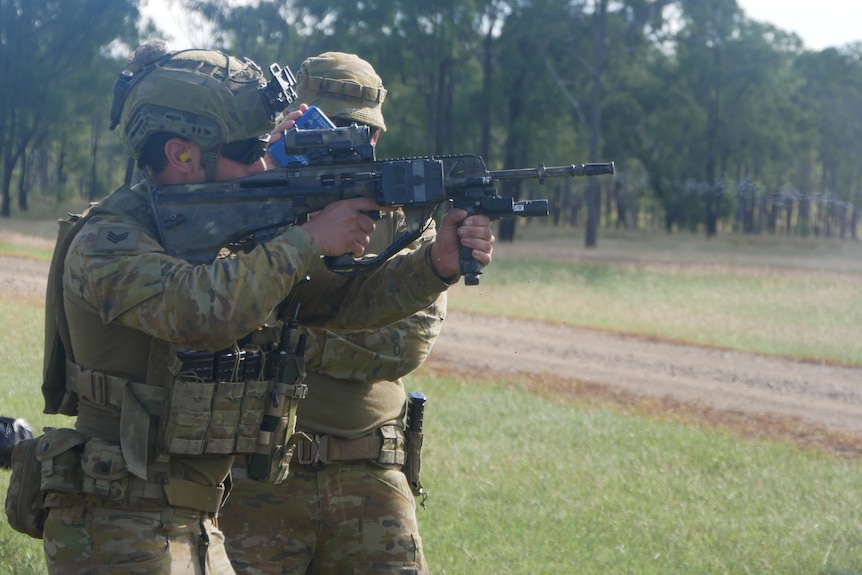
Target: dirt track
(715,384)
(810,404)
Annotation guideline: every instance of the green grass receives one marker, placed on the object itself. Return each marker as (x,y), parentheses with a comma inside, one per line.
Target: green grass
(42,232)
(523,484)
(790,310)
(21,328)
(13,249)
(526,483)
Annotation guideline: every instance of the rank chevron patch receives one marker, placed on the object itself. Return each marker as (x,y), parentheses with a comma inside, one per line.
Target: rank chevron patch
(115,239)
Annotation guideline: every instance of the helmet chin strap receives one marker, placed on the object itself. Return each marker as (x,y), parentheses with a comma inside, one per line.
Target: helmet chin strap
(130,171)
(210,161)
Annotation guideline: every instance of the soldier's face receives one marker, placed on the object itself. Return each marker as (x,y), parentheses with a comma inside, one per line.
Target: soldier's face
(185,164)
(241,158)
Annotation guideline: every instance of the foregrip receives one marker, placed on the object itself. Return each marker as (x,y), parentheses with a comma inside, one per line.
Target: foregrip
(471,270)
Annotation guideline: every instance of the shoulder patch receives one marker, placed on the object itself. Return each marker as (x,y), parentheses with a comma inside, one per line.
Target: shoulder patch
(116,238)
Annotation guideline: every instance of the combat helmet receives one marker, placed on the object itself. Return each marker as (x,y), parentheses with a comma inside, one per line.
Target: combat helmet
(344,86)
(204,96)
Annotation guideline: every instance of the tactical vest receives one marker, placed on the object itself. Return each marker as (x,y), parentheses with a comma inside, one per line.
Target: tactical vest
(240,401)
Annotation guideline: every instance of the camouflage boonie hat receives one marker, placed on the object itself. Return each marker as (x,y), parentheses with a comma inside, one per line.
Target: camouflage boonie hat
(205,96)
(343,86)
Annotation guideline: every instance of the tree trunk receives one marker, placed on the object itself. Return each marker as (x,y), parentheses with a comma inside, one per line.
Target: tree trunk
(6,205)
(487,93)
(515,143)
(599,57)
(22,184)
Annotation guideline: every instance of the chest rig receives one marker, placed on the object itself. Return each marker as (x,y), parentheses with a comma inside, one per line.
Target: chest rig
(238,401)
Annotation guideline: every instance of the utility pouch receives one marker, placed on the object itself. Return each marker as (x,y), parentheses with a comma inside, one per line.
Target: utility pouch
(393,446)
(414,439)
(212,408)
(24,497)
(105,473)
(59,454)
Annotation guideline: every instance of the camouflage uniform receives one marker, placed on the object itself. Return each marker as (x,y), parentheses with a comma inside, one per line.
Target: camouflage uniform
(355,513)
(125,302)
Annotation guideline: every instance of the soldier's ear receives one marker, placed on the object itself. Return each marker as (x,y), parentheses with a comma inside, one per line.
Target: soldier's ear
(180,155)
(375,136)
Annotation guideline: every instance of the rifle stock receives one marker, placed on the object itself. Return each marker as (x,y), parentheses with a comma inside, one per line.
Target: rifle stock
(196,221)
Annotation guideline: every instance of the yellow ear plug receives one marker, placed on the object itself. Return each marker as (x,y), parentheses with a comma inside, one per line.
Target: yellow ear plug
(184,157)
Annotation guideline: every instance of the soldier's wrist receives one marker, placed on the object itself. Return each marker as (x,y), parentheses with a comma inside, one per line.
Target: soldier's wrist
(430,260)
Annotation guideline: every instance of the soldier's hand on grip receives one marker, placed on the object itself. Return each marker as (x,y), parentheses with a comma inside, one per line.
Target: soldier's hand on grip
(342,227)
(458,229)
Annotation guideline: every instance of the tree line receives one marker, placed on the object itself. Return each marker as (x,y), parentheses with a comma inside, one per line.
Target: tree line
(716,122)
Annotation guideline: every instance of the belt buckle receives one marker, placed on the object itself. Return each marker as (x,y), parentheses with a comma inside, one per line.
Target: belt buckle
(313,454)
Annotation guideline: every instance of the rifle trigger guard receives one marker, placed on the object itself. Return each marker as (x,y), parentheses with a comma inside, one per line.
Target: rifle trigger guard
(347,264)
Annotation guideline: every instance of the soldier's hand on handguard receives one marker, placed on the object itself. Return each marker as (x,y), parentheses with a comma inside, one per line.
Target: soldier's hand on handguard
(473,232)
(342,227)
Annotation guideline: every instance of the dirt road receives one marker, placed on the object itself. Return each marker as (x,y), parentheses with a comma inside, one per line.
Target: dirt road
(810,404)
(760,394)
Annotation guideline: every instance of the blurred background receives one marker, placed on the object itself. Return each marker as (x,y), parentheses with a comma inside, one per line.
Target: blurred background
(719,122)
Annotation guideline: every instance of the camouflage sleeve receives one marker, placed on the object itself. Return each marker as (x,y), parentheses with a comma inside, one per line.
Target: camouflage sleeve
(386,354)
(402,286)
(116,267)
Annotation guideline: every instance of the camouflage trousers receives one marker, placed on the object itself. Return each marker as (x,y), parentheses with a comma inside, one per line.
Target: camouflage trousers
(93,539)
(344,519)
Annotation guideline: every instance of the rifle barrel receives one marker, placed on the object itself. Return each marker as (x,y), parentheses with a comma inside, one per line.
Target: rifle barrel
(542,171)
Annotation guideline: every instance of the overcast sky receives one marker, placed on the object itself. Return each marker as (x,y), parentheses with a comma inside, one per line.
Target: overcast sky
(820,23)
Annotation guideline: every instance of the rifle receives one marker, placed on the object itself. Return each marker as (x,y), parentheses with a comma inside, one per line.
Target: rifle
(196,221)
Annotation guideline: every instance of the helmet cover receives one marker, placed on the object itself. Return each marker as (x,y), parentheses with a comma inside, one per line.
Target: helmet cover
(343,86)
(205,96)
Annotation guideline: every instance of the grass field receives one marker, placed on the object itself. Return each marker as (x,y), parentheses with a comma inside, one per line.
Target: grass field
(528,483)
(797,298)
(533,485)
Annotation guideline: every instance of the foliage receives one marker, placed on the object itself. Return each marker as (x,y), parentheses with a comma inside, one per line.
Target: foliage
(715,121)
(49,50)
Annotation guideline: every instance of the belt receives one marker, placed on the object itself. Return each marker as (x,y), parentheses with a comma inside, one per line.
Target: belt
(149,496)
(385,445)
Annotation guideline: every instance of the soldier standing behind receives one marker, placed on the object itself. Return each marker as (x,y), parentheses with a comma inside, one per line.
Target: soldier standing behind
(347,504)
